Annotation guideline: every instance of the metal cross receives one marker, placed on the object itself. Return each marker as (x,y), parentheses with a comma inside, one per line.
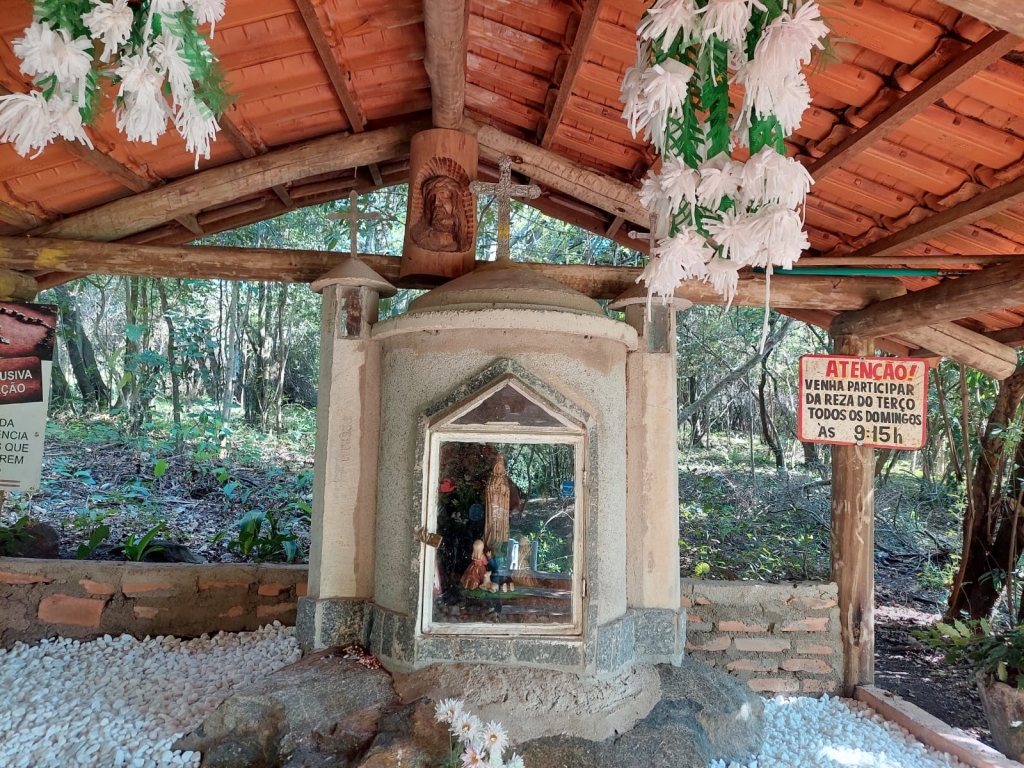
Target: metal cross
(354,217)
(652,236)
(504,190)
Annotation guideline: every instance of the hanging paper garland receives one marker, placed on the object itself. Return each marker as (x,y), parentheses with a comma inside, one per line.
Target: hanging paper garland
(713,215)
(149,49)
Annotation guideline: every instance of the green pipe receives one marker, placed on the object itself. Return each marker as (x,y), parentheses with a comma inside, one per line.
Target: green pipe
(859,272)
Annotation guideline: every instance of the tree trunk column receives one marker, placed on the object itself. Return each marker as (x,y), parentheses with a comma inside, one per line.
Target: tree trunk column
(652,473)
(341,558)
(853,544)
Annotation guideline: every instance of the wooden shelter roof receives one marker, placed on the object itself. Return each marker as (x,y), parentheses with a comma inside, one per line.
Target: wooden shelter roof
(915,137)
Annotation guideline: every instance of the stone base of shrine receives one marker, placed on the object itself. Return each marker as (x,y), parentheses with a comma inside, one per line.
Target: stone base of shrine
(640,636)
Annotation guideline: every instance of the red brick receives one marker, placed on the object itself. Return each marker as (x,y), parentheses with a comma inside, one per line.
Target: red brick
(135,588)
(97,587)
(807,625)
(819,686)
(774,684)
(685,602)
(205,585)
(739,626)
(815,666)
(813,603)
(748,665)
(145,612)
(274,610)
(815,650)
(232,613)
(718,644)
(22,578)
(272,590)
(761,644)
(78,611)
(301,590)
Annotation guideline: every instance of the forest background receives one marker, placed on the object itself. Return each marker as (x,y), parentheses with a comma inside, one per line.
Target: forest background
(185,409)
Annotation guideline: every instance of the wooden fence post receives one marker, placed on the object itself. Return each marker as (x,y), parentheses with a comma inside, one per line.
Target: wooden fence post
(853,544)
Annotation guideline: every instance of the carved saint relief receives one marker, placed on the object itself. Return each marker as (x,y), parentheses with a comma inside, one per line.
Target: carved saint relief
(442,207)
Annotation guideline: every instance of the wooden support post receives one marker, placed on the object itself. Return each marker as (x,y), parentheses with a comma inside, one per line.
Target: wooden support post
(853,544)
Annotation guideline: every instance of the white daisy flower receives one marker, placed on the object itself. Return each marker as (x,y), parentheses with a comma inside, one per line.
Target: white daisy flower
(166,51)
(495,738)
(679,185)
(720,177)
(66,119)
(35,49)
(729,20)
(467,728)
(515,762)
(473,758)
(447,710)
(664,90)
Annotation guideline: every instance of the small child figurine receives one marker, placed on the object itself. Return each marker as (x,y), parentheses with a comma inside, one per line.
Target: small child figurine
(476,574)
(497,572)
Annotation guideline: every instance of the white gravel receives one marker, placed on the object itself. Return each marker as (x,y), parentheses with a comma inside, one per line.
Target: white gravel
(122,701)
(828,732)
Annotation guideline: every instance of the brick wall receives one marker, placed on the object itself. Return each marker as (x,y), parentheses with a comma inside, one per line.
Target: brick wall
(780,638)
(86,599)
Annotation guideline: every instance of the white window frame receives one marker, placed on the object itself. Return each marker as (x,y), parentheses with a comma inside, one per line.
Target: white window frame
(443,430)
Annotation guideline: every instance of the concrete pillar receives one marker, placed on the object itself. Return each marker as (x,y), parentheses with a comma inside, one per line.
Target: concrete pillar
(652,479)
(341,557)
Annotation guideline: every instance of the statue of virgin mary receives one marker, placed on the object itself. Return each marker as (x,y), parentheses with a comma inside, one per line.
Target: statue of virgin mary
(496,503)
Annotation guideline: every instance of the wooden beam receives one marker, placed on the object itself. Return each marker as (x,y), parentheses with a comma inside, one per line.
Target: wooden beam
(221,185)
(17,217)
(999,13)
(795,291)
(337,71)
(949,220)
(955,73)
(53,255)
(853,545)
(943,261)
(972,349)
(1012,337)
(614,226)
(17,286)
(994,288)
(552,170)
(444,23)
(584,33)
(823,319)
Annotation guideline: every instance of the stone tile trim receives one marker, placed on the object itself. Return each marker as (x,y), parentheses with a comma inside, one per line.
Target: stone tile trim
(779,638)
(932,731)
(85,599)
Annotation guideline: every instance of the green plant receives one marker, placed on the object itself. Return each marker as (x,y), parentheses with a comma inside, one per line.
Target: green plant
(997,654)
(137,551)
(252,543)
(96,537)
(10,536)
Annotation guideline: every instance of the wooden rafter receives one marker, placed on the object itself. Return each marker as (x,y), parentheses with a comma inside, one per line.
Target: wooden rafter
(949,220)
(247,150)
(999,13)
(961,68)
(584,34)
(337,70)
(1012,337)
(970,348)
(226,183)
(554,171)
(444,24)
(999,287)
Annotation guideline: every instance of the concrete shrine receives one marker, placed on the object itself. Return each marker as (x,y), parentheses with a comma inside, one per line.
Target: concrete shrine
(500,357)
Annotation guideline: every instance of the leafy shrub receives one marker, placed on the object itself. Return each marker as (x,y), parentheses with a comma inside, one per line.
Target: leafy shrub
(999,654)
(251,542)
(138,550)
(11,536)
(96,537)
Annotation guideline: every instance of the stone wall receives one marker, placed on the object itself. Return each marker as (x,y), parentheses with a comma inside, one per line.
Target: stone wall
(85,599)
(780,638)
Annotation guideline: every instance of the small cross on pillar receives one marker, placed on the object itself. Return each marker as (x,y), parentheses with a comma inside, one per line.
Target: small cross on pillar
(504,190)
(354,217)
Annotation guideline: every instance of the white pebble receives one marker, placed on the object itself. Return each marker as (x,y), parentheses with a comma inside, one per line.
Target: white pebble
(124,702)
